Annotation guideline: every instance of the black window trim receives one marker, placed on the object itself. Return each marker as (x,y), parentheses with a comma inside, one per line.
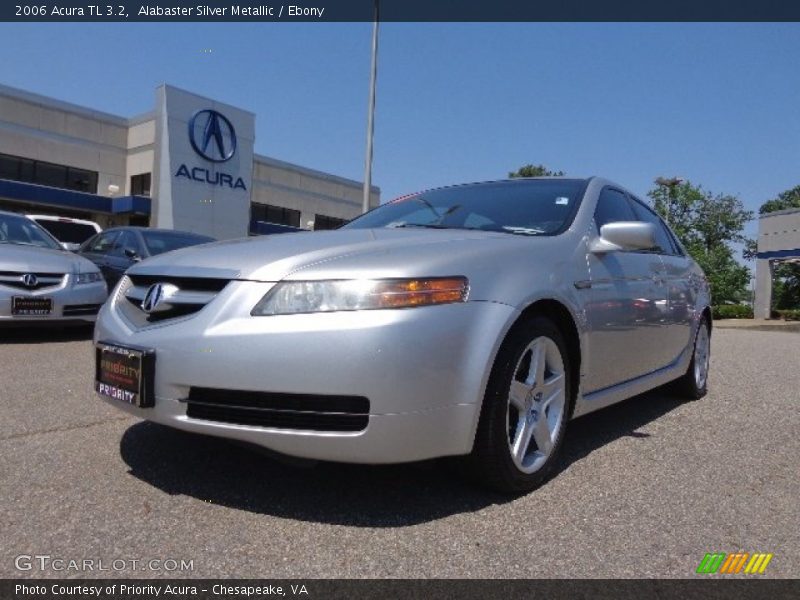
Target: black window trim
(613,188)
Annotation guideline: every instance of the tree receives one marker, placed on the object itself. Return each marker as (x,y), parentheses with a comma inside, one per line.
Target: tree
(786,287)
(535,171)
(788,199)
(707,224)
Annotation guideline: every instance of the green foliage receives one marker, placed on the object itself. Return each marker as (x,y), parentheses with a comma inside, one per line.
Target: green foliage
(706,224)
(788,315)
(786,286)
(727,277)
(699,217)
(788,199)
(732,311)
(535,171)
(750,249)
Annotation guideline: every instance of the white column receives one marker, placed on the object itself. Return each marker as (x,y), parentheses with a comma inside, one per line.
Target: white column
(763,300)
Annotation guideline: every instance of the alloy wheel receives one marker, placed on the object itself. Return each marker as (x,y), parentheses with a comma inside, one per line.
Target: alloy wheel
(536,401)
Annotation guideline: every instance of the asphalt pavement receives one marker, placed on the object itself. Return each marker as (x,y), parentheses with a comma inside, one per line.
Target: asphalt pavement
(645,488)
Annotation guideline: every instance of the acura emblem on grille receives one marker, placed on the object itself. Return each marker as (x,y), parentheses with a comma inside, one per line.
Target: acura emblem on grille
(157,297)
(30,280)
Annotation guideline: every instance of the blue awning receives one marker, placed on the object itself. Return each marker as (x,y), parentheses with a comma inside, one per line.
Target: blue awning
(780,254)
(57,197)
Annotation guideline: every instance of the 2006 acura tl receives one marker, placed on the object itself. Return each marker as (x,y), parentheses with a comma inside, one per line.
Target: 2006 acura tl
(469,320)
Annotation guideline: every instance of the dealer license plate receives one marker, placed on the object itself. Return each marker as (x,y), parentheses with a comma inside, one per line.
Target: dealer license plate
(28,307)
(125,373)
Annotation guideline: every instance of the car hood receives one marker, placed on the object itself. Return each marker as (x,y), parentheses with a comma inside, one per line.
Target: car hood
(33,259)
(334,254)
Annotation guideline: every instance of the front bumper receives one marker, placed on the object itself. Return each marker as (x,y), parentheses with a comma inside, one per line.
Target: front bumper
(71,302)
(424,371)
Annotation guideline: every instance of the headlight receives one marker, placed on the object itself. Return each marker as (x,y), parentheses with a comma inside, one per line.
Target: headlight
(88,277)
(293,297)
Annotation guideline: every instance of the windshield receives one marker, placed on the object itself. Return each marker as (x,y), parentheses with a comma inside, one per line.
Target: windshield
(21,230)
(158,242)
(524,207)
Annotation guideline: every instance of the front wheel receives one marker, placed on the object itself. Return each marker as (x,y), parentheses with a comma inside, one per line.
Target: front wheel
(526,408)
(693,385)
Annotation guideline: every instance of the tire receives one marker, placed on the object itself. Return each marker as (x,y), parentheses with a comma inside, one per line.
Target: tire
(524,401)
(693,384)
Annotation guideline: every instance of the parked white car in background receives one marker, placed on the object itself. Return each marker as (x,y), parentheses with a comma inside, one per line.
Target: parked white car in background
(70,233)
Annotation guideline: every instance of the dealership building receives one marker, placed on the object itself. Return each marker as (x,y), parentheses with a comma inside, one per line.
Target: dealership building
(189,164)
(778,242)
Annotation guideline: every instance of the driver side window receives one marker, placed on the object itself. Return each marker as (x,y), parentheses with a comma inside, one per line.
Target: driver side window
(126,240)
(103,243)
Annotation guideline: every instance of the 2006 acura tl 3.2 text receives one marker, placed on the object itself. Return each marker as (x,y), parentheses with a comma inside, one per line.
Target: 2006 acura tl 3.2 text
(470,320)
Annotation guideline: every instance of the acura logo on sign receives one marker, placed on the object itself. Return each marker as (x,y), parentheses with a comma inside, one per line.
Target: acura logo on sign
(157,297)
(30,280)
(212,136)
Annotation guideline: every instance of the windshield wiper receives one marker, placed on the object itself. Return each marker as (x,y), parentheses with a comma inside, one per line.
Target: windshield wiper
(423,225)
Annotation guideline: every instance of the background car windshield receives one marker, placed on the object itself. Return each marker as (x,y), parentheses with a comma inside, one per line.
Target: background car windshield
(64,231)
(21,230)
(532,207)
(158,242)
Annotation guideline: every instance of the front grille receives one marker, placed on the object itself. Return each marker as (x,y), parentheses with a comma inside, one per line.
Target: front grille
(192,295)
(15,279)
(309,412)
(75,310)
(177,311)
(197,284)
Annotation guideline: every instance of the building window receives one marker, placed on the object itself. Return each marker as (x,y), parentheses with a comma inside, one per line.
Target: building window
(140,184)
(321,222)
(44,173)
(274,214)
(81,180)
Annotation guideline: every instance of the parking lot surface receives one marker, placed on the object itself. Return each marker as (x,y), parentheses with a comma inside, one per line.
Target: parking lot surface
(644,489)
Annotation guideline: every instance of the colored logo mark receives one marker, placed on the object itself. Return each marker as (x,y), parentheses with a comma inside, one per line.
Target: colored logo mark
(739,562)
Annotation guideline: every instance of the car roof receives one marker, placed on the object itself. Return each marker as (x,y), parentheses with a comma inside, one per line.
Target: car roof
(62,219)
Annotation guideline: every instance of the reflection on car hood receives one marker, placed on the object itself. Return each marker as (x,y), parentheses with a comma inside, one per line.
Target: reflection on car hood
(34,259)
(274,257)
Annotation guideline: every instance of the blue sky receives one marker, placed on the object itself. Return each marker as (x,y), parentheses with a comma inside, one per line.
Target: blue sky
(718,104)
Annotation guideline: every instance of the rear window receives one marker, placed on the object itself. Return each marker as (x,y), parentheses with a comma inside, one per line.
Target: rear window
(158,242)
(64,231)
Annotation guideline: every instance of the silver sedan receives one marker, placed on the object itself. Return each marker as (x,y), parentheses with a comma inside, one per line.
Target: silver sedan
(40,282)
(472,320)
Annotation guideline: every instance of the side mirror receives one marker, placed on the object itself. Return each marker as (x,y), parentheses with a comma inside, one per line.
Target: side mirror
(131,253)
(70,246)
(624,235)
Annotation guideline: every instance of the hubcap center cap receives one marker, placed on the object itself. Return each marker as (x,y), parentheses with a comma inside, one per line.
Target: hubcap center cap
(531,399)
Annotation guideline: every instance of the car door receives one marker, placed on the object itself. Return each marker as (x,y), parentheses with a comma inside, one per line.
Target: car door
(676,277)
(97,249)
(125,252)
(625,296)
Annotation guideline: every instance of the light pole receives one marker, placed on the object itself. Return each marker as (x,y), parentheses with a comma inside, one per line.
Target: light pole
(371,112)
(669,183)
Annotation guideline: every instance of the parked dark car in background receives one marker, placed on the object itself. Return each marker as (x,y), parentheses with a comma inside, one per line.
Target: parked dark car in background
(116,249)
